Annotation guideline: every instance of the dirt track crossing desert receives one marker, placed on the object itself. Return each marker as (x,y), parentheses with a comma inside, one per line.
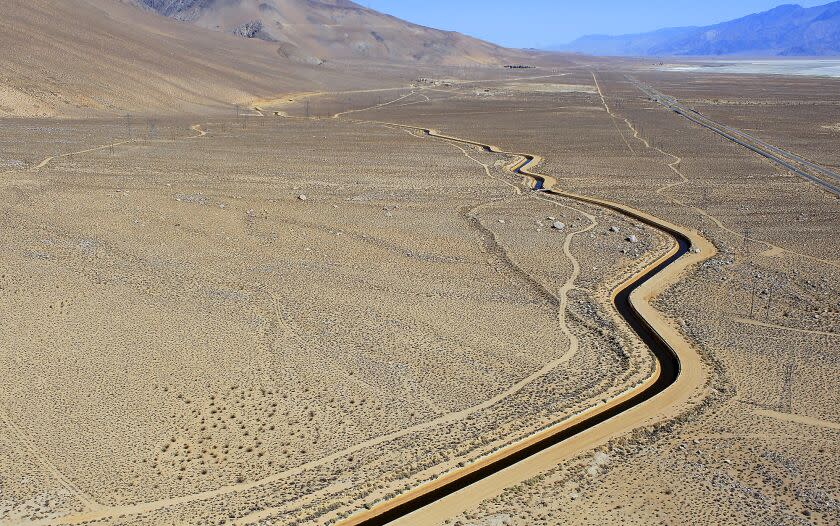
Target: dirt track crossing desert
(275,266)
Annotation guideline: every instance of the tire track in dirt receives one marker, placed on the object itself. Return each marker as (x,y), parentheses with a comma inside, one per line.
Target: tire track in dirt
(560,300)
(755,323)
(23,439)
(612,115)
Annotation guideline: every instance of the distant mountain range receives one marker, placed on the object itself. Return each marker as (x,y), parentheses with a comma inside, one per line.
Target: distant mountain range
(787,30)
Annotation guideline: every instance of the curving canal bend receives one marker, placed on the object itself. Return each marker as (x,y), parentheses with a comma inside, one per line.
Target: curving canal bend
(667,371)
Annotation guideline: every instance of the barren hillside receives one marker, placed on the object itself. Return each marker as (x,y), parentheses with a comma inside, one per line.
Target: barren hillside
(316,30)
(95,57)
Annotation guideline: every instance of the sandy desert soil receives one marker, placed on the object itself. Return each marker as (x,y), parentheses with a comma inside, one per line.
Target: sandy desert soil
(273,319)
(798,114)
(763,312)
(360,308)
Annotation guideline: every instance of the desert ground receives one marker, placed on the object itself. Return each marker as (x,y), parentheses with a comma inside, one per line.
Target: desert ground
(297,309)
(759,447)
(281,314)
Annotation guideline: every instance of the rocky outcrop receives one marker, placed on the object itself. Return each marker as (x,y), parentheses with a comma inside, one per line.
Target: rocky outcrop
(186,10)
(312,31)
(248,29)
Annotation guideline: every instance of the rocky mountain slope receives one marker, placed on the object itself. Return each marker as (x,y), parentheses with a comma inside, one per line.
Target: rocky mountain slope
(77,58)
(788,30)
(318,30)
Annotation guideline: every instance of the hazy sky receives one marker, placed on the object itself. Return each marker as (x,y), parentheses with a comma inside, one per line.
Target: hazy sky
(536,23)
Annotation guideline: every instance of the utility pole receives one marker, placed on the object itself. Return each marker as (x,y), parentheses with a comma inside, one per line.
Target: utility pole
(128,126)
(769,302)
(745,247)
(752,298)
(723,298)
(307,108)
(786,401)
